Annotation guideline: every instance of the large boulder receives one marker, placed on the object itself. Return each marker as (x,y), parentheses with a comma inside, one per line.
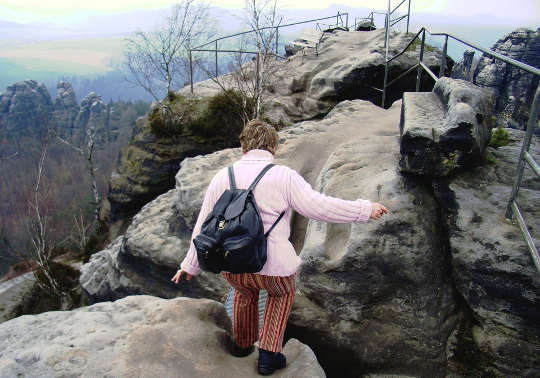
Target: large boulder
(140,336)
(332,310)
(375,297)
(445,130)
(349,65)
(144,259)
(147,165)
(491,265)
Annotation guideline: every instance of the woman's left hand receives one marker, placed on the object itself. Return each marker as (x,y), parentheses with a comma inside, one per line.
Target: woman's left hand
(178,276)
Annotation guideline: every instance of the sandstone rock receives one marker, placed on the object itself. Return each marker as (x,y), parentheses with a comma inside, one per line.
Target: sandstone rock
(139,336)
(65,110)
(365,25)
(376,332)
(465,68)
(349,65)
(13,292)
(146,257)
(375,297)
(492,268)
(445,130)
(93,114)
(146,169)
(25,110)
(513,88)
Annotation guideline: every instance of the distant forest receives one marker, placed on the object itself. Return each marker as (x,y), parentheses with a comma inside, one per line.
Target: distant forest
(65,187)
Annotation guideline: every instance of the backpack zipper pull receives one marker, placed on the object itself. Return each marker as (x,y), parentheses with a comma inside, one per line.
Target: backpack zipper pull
(221,224)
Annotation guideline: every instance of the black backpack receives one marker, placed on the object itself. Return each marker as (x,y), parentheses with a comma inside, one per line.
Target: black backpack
(232,237)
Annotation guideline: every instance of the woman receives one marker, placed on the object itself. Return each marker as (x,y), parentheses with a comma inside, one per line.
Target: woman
(280,189)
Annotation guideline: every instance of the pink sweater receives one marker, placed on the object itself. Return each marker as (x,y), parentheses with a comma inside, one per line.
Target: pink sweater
(280,189)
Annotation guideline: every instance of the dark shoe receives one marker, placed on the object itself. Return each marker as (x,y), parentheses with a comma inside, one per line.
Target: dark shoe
(241,352)
(269,362)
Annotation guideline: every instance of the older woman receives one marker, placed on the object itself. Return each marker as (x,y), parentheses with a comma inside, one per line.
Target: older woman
(281,189)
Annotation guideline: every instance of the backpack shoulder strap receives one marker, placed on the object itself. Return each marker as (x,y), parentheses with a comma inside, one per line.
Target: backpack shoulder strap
(232,181)
(259,177)
(274,225)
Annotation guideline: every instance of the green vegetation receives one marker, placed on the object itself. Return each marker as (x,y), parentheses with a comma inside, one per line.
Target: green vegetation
(417,42)
(500,137)
(220,116)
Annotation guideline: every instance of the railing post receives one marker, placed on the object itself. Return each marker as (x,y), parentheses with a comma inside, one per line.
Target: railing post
(337,19)
(443,58)
(420,59)
(347,21)
(387,26)
(216,60)
(190,72)
(533,114)
(408,15)
(277,39)
(386,45)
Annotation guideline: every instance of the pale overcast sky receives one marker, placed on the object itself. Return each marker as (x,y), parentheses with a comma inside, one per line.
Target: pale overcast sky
(57,11)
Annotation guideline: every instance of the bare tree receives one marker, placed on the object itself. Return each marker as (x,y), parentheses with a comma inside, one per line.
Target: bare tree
(39,229)
(87,150)
(158,60)
(252,74)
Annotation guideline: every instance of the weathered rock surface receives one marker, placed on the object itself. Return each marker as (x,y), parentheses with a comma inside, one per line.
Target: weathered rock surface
(445,130)
(365,25)
(144,259)
(12,293)
(349,65)
(333,312)
(514,88)
(139,336)
(492,268)
(94,115)
(147,166)
(66,109)
(25,110)
(375,297)
(464,69)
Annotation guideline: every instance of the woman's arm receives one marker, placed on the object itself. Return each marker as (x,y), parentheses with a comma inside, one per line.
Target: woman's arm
(315,205)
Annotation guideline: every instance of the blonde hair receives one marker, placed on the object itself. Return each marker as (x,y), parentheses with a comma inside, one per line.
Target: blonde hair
(259,135)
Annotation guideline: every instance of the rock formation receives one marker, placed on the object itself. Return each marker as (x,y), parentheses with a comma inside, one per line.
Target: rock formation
(65,110)
(414,293)
(465,68)
(513,88)
(93,114)
(491,265)
(349,66)
(139,336)
(147,166)
(445,130)
(25,111)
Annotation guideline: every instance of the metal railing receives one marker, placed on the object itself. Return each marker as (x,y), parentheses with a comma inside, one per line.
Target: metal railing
(216,50)
(512,208)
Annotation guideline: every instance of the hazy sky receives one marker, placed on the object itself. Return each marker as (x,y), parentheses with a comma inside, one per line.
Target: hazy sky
(66,11)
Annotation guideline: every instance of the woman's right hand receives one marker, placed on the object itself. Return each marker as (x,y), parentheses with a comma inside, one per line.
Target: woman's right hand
(377,210)
(178,276)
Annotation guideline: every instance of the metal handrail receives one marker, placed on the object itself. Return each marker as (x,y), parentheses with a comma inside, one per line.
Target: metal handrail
(512,209)
(215,41)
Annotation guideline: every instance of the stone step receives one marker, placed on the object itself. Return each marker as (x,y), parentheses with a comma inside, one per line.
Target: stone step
(444,130)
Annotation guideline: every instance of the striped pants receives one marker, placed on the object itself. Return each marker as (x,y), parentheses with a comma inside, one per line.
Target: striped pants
(281,292)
